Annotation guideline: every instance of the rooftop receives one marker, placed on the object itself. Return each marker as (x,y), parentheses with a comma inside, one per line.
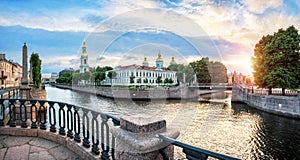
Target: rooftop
(134,66)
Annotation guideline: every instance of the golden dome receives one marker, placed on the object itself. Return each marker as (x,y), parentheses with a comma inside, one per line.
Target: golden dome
(145,60)
(173,60)
(159,57)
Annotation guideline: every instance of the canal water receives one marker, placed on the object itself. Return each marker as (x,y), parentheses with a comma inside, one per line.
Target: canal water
(214,124)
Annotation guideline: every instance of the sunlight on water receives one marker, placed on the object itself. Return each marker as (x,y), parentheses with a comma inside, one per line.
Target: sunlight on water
(232,129)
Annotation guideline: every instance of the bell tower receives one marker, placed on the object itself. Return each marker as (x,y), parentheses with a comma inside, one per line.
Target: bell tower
(84,67)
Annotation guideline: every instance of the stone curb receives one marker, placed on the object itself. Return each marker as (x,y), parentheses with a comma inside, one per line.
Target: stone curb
(84,153)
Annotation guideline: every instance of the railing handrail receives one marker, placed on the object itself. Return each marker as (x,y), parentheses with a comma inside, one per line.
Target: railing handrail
(196,149)
(64,103)
(65,120)
(64,124)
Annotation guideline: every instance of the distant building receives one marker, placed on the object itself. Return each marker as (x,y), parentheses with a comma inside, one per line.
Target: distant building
(10,73)
(53,77)
(84,67)
(142,75)
(239,78)
(71,70)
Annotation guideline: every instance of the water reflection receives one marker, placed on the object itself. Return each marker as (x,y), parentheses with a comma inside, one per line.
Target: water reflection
(233,129)
(272,137)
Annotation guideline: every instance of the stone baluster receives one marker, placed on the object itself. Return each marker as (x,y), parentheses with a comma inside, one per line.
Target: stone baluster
(136,138)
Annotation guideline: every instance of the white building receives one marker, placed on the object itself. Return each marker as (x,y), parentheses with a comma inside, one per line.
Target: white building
(53,77)
(142,75)
(84,67)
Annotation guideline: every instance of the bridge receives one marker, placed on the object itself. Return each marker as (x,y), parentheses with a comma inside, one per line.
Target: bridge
(212,86)
(92,134)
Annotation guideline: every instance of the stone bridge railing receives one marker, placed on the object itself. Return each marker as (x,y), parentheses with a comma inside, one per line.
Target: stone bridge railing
(94,135)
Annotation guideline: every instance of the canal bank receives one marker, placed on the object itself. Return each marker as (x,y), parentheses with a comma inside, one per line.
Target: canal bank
(288,106)
(233,129)
(178,93)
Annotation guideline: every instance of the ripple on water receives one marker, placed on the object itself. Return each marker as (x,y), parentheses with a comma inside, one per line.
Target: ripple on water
(233,129)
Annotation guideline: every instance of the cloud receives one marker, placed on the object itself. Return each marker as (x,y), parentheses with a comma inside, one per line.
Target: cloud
(217,28)
(57,63)
(258,6)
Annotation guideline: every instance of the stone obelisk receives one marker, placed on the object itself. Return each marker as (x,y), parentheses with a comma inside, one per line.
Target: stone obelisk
(24,89)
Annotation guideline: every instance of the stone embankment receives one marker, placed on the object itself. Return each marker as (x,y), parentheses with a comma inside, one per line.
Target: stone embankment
(142,94)
(288,106)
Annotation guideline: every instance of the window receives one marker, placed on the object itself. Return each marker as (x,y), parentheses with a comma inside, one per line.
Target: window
(84,61)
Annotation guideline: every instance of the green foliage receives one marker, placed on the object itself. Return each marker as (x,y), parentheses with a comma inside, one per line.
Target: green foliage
(112,74)
(201,70)
(168,81)
(132,79)
(276,60)
(145,80)
(218,72)
(36,62)
(65,78)
(103,69)
(139,80)
(206,71)
(98,74)
(94,75)
(181,70)
(209,71)
(158,80)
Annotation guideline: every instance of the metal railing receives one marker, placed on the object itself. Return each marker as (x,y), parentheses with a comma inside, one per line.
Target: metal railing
(191,152)
(7,93)
(84,125)
(81,124)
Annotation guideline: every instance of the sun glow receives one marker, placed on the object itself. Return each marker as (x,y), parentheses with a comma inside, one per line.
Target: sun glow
(239,63)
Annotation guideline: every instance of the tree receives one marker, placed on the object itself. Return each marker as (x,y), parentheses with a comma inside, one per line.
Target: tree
(111,75)
(168,81)
(145,80)
(158,80)
(36,62)
(182,70)
(218,72)
(200,68)
(99,76)
(132,79)
(65,78)
(276,60)
(259,62)
(139,80)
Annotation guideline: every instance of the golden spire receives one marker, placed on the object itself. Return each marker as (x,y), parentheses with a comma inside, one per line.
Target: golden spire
(84,53)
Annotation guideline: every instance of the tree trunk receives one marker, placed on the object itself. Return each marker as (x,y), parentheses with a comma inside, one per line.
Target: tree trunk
(270,91)
(283,91)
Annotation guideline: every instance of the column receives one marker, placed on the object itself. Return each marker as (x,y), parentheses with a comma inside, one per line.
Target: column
(24,65)
(24,89)
(136,138)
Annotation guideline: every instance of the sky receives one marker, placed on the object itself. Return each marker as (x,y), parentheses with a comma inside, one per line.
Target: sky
(122,32)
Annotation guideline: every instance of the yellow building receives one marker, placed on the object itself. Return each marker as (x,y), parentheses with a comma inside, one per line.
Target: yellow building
(10,73)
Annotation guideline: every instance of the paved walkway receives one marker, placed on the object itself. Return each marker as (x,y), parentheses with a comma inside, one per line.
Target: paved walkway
(33,148)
